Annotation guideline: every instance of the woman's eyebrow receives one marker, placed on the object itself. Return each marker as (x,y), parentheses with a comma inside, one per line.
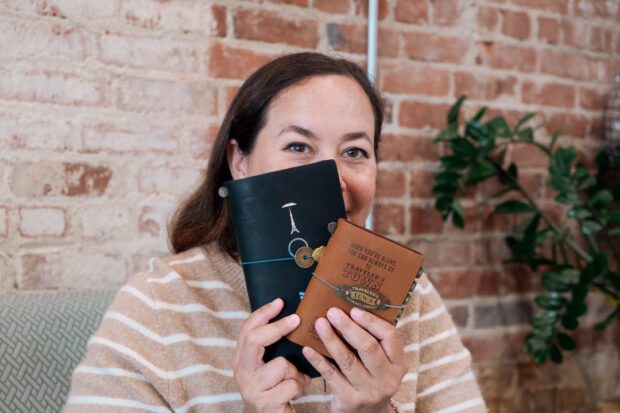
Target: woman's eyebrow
(298,129)
(357,135)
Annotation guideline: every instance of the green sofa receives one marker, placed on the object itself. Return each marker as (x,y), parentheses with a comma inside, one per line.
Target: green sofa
(43,337)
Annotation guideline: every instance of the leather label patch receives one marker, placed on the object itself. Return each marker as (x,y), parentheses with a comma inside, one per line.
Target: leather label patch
(362,297)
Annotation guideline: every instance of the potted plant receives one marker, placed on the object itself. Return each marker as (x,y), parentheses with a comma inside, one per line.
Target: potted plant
(570,271)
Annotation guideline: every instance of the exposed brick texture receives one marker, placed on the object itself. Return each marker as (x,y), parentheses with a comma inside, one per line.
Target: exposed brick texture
(109,110)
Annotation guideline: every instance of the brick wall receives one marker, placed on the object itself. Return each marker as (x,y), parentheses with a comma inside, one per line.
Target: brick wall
(108,110)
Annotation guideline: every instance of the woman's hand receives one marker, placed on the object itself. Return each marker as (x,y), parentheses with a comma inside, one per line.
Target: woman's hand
(368,382)
(266,387)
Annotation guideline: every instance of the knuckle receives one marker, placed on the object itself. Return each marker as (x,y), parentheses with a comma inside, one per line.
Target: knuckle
(327,370)
(347,360)
(252,338)
(370,347)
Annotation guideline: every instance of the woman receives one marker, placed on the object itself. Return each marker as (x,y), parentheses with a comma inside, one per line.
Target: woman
(181,337)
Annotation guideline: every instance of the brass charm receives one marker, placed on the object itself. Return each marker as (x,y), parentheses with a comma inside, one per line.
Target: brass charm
(303,257)
(318,253)
(362,297)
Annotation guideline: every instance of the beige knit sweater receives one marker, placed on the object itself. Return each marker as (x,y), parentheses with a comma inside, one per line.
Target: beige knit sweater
(167,341)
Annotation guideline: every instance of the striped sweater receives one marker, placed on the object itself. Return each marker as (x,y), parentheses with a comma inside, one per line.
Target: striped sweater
(166,344)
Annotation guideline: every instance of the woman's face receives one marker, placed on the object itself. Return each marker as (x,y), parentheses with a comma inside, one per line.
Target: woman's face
(324,117)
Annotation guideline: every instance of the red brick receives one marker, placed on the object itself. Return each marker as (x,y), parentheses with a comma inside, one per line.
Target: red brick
(490,251)
(554,6)
(425,220)
(52,87)
(487,18)
(44,39)
(494,222)
(123,136)
(591,99)
(48,178)
(361,8)
(201,141)
(527,156)
(4,221)
(505,56)
(483,86)
(274,27)
(105,221)
(415,79)
(459,314)
(389,218)
(167,179)
(606,70)
(218,25)
(229,94)
(548,94)
(302,3)
(332,6)
(572,125)
(446,12)
(467,284)
(442,253)
(412,11)
(407,148)
(596,8)
(423,115)
(65,270)
(353,38)
(390,184)
(435,48)
(421,183)
(138,94)
(569,65)
(67,9)
(54,134)
(154,218)
(575,33)
(549,30)
(7,273)
(516,24)
(170,16)
(571,399)
(149,52)
(520,280)
(233,63)
(600,39)
(37,222)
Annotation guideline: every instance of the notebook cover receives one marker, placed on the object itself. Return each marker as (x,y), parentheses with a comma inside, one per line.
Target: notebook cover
(273,215)
(367,269)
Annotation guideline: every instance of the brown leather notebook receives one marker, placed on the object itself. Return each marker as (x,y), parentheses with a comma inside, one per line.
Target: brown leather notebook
(357,268)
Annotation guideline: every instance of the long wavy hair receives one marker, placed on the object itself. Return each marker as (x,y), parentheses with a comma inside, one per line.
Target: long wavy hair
(203,217)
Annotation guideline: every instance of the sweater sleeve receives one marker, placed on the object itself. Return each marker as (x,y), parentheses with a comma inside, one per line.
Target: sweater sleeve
(119,372)
(440,374)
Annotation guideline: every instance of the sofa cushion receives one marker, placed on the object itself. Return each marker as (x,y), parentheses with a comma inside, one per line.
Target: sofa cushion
(43,337)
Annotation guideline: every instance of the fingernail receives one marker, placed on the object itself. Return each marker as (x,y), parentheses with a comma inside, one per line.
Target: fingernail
(293,319)
(356,312)
(334,313)
(321,325)
(308,352)
(277,301)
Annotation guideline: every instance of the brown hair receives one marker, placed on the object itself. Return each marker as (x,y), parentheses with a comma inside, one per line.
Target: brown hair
(204,217)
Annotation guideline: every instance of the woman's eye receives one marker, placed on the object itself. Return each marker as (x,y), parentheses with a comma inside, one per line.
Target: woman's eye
(356,153)
(298,147)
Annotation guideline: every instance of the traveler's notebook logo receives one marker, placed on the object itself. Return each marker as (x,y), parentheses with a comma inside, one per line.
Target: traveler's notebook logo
(296,240)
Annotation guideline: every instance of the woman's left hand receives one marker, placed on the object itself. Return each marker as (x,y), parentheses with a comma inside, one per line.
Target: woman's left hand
(367,383)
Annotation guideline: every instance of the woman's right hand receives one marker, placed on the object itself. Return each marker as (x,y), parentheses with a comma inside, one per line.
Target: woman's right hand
(266,387)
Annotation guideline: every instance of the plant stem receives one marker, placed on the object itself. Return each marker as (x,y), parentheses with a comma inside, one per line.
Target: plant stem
(605,290)
(544,216)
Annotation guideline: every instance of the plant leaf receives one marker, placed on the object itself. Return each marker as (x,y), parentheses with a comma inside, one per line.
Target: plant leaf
(451,132)
(544,319)
(550,301)
(480,171)
(479,114)
(447,177)
(443,203)
(566,341)
(578,213)
(526,134)
(513,206)
(453,162)
(524,119)
(555,354)
(453,114)
(456,206)
(554,138)
(614,217)
(608,320)
(499,127)
(590,227)
(457,220)
(601,197)
(463,148)
(478,132)
(570,275)
(576,309)
(554,282)
(444,190)
(581,172)
(588,183)
(570,323)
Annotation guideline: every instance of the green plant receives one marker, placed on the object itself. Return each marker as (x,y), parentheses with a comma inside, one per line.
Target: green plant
(478,153)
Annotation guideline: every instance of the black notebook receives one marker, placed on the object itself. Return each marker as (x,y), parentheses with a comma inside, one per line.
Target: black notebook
(274,214)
